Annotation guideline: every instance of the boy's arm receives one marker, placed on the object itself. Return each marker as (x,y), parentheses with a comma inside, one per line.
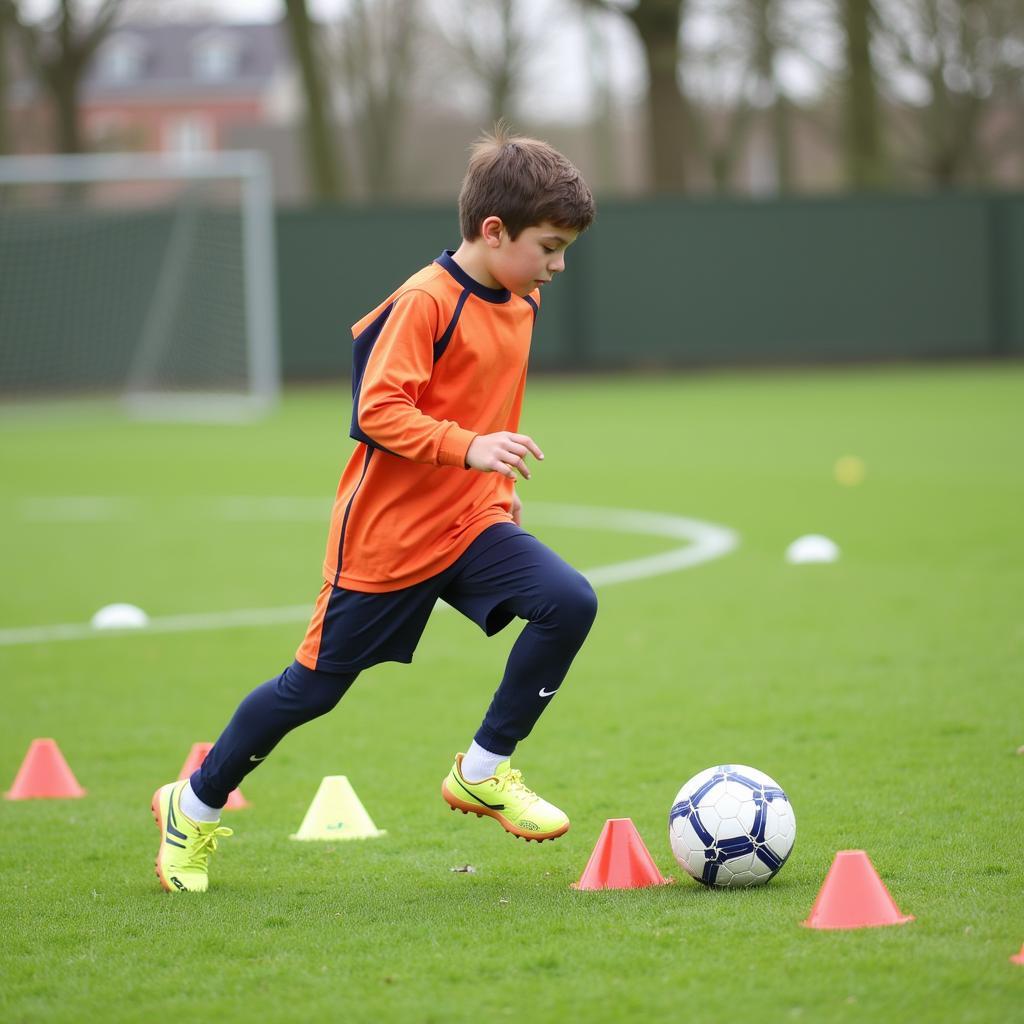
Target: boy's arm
(396,374)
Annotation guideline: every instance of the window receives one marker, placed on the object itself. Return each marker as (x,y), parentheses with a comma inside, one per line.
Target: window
(121,58)
(188,133)
(215,56)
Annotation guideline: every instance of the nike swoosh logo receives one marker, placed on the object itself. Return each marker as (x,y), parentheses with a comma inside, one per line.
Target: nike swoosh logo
(253,757)
(547,693)
(493,807)
(172,826)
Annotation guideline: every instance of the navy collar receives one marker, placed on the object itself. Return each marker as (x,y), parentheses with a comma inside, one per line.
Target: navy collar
(497,295)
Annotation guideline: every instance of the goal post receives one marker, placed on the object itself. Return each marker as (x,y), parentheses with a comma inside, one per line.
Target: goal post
(146,276)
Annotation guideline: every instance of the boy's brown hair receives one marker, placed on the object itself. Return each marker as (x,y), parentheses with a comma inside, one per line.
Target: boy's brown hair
(523,181)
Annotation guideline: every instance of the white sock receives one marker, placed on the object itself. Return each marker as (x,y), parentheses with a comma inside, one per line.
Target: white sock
(479,764)
(194,808)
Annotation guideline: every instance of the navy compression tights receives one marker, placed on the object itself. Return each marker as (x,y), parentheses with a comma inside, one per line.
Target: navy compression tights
(557,625)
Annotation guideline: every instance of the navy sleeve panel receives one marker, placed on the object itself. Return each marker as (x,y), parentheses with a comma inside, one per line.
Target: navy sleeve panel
(362,349)
(442,343)
(348,509)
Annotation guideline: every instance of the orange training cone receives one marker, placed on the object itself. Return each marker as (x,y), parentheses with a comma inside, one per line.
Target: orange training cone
(196,756)
(620,860)
(44,774)
(853,896)
(1019,958)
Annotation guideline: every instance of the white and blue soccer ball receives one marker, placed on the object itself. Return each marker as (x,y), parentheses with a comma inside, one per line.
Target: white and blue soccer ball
(731,825)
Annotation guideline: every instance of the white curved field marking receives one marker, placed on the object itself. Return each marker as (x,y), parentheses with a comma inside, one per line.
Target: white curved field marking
(705,541)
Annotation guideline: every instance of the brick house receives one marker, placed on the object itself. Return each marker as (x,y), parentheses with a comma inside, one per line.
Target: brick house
(180,88)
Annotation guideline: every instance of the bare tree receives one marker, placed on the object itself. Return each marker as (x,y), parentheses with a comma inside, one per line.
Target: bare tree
(658,24)
(862,126)
(374,56)
(491,46)
(768,24)
(6,23)
(729,76)
(735,52)
(599,64)
(59,50)
(321,154)
(717,77)
(950,64)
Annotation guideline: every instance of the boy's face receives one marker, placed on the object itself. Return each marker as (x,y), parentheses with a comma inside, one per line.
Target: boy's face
(531,260)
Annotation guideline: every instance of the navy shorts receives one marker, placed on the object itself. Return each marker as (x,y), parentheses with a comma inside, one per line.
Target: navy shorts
(352,630)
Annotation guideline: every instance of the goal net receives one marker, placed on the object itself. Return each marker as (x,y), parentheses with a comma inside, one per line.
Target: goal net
(140,276)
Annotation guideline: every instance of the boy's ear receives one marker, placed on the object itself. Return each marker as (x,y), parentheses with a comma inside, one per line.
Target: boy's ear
(492,230)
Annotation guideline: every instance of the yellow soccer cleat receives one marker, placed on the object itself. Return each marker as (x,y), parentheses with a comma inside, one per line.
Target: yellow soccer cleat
(185,845)
(506,798)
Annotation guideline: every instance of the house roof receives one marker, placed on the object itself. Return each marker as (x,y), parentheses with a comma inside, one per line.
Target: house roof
(150,60)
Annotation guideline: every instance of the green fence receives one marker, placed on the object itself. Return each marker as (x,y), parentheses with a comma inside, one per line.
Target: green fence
(658,283)
(675,283)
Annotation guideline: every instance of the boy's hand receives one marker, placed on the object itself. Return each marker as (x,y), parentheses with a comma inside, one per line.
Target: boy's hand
(503,453)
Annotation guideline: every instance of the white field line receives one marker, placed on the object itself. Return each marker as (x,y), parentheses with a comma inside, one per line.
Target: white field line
(79,509)
(705,541)
(100,509)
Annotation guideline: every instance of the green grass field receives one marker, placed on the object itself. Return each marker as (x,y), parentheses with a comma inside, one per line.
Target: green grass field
(883,692)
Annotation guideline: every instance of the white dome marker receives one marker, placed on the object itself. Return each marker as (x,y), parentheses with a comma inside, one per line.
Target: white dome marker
(812,548)
(120,616)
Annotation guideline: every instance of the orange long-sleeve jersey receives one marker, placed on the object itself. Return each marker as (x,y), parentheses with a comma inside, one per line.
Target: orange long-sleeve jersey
(441,360)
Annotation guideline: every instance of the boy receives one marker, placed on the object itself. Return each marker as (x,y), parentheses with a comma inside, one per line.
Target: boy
(427,509)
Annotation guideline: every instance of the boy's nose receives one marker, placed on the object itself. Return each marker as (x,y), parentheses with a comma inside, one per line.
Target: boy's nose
(557,265)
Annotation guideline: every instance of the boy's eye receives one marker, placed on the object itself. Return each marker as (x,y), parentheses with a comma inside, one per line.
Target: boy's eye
(548,248)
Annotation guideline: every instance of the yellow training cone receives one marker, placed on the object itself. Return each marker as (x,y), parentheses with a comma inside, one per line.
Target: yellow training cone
(849,470)
(337,813)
